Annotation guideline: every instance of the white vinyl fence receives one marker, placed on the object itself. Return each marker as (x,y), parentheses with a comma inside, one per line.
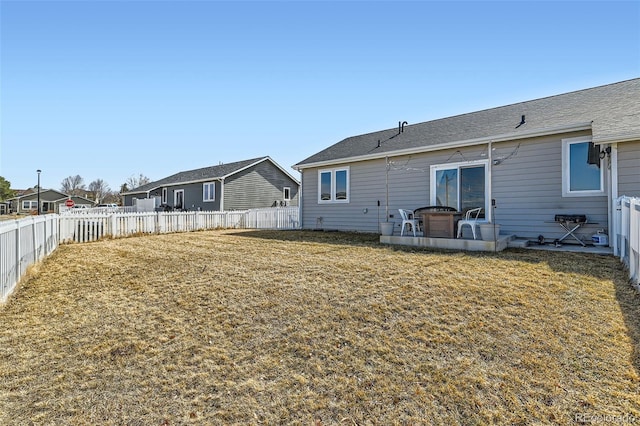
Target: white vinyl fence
(90,227)
(626,232)
(96,210)
(23,243)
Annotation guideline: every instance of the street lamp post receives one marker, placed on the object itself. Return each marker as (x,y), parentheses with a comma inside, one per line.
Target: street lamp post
(39,171)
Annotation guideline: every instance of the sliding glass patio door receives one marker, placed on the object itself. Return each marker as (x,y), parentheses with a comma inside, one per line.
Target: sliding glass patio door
(462,186)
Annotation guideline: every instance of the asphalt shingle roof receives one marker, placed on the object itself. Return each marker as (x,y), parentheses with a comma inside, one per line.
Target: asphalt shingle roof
(613,111)
(205,173)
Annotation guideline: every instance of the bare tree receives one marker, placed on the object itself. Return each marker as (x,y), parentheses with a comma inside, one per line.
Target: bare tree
(73,185)
(118,195)
(112,197)
(99,189)
(134,182)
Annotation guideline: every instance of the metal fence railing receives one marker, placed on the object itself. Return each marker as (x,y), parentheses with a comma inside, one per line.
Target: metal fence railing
(626,235)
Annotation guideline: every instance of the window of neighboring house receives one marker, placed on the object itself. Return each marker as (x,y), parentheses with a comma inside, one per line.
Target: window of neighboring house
(178,199)
(29,205)
(286,193)
(463,186)
(164,195)
(209,191)
(579,177)
(333,185)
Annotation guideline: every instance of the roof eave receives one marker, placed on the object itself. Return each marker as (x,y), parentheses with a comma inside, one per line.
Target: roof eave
(620,138)
(188,182)
(244,168)
(210,178)
(456,144)
(141,192)
(267,158)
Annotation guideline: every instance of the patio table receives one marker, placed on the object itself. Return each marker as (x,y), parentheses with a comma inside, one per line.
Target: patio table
(438,221)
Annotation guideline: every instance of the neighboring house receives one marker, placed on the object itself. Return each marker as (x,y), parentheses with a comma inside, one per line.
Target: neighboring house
(50,201)
(255,183)
(567,154)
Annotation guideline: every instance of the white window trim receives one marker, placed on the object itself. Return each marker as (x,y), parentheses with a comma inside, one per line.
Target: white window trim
(164,195)
(286,193)
(333,185)
(566,180)
(448,166)
(204,192)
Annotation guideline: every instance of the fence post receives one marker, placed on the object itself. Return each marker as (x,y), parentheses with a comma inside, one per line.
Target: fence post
(616,226)
(114,225)
(43,243)
(18,254)
(34,237)
(634,239)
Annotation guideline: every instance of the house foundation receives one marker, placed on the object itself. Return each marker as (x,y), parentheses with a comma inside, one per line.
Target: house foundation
(449,243)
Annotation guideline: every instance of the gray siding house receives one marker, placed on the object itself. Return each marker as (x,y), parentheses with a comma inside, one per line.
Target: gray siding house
(568,154)
(254,183)
(50,201)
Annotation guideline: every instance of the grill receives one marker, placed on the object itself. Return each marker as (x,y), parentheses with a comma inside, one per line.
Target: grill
(571,218)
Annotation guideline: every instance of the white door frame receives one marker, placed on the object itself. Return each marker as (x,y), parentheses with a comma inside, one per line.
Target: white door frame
(175,198)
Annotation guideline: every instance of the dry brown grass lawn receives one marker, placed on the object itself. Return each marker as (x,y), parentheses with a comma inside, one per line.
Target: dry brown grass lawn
(10,217)
(316,328)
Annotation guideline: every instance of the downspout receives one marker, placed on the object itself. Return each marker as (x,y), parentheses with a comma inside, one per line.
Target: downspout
(221,194)
(386,204)
(489,213)
(613,195)
(300,201)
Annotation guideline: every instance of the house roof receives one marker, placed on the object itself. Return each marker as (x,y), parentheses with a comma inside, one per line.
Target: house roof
(612,112)
(204,174)
(50,195)
(77,198)
(44,193)
(21,192)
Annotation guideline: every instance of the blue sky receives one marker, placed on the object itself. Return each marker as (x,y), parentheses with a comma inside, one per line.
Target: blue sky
(111,89)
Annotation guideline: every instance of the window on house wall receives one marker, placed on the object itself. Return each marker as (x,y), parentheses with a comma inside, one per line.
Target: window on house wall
(164,195)
(582,174)
(333,186)
(286,193)
(463,186)
(209,191)
(29,205)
